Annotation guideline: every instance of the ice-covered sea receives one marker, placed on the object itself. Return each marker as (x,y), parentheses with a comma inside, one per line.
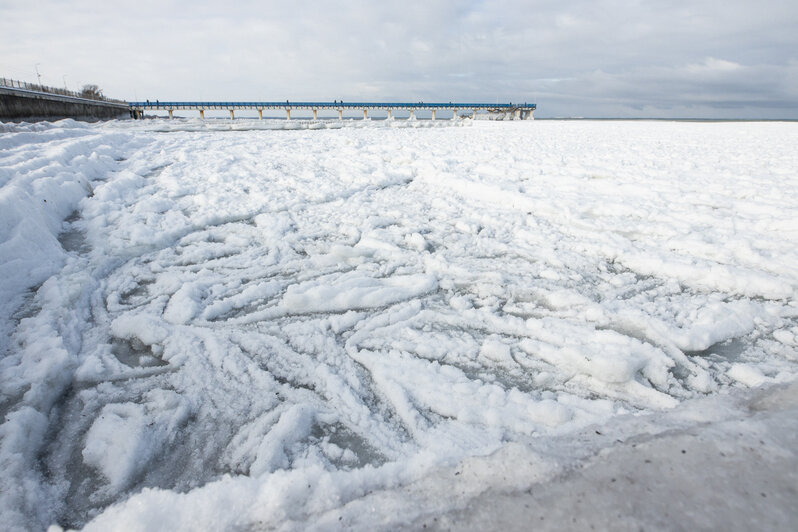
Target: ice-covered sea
(273,325)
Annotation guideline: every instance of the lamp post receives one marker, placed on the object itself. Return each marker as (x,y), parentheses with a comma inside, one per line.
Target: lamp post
(37,72)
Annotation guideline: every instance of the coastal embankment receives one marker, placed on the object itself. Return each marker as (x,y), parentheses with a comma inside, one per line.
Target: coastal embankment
(18,104)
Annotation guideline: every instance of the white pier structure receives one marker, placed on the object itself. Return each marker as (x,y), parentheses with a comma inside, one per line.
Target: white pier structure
(508,111)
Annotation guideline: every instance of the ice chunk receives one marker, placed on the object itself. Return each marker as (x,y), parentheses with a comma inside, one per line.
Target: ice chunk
(353,291)
(127,436)
(747,375)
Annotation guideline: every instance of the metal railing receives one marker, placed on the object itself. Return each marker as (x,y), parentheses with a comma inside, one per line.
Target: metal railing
(16,84)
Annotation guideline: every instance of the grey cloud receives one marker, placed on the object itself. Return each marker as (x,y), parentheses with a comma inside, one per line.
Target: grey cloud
(587,58)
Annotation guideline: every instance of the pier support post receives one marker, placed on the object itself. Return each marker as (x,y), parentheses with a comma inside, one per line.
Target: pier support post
(475,114)
(340,114)
(287,113)
(170,114)
(202,114)
(389,114)
(433,114)
(454,114)
(365,114)
(412,114)
(232,115)
(315,114)
(518,114)
(260,114)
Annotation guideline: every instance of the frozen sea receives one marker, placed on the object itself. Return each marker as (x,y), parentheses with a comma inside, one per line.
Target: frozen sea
(369,325)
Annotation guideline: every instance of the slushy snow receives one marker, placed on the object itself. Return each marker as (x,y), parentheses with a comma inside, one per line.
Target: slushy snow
(263,324)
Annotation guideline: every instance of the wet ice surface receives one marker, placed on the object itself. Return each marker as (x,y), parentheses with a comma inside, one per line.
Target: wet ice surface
(231,326)
(727,464)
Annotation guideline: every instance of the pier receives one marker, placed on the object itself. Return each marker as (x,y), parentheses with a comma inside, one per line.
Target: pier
(507,111)
(27,101)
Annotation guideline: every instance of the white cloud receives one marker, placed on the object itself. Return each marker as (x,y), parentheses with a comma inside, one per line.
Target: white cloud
(711,64)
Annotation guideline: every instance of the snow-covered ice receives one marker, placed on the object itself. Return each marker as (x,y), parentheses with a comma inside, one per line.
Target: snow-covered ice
(309,324)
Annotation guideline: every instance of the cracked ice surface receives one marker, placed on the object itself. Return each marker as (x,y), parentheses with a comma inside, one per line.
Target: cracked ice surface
(222,326)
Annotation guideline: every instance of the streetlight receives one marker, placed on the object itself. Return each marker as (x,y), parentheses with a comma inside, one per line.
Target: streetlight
(37,73)
(65,85)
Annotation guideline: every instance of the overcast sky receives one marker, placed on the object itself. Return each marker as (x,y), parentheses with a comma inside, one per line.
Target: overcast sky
(601,58)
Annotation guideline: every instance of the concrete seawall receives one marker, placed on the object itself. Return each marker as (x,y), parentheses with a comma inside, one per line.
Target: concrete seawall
(21,104)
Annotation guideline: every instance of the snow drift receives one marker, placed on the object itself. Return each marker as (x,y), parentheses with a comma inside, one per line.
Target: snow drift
(258,327)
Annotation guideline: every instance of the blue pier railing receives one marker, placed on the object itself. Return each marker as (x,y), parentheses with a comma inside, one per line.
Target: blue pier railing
(288,104)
